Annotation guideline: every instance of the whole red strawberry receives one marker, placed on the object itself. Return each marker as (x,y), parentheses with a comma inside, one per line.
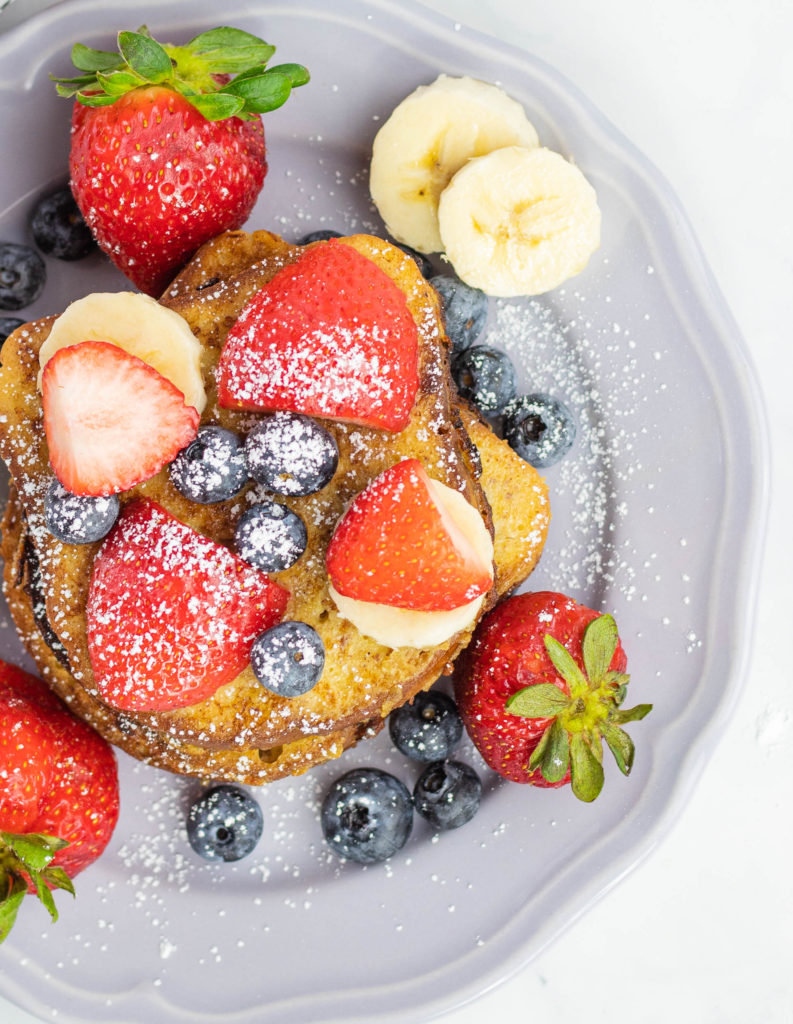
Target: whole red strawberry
(167,148)
(59,799)
(540,688)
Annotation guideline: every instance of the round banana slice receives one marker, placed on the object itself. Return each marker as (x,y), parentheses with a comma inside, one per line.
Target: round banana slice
(427,139)
(142,327)
(518,221)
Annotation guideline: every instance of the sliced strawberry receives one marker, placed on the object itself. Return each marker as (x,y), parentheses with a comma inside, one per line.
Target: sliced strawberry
(329,336)
(171,615)
(397,545)
(111,420)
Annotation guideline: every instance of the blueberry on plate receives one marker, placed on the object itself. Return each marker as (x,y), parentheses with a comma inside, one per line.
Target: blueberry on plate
(367,815)
(78,519)
(8,324)
(270,536)
(291,454)
(211,468)
(224,823)
(58,227)
(424,265)
(427,729)
(484,376)
(22,275)
(464,310)
(323,235)
(447,794)
(540,428)
(288,658)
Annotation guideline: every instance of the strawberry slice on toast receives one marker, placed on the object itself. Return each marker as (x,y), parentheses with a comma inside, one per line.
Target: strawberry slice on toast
(330,336)
(171,615)
(111,420)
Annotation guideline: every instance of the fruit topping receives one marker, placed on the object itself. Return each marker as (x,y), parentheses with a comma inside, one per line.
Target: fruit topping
(429,136)
(519,221)
(291,454)
(59,799)
(331,336)
(22,275)
(167,148)
(288,658)
(224,823)
(157,335)
(78,519)
(118,431)
(539,427)
(541,687)
(447,794)
(270,536)
(367,815)
(484,376)
(428,728)
(58,227)
(464,310)
(211,468)
(171,615)
(400,544)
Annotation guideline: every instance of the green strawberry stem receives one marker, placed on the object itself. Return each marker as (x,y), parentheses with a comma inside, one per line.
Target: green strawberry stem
(201,71)
(24,857)
(582,720)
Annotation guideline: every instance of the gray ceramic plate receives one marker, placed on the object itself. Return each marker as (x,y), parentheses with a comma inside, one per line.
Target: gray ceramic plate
(657,517)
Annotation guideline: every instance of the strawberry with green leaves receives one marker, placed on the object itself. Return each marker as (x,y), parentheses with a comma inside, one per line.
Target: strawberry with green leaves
(58,798)
(540,690)
(167,145)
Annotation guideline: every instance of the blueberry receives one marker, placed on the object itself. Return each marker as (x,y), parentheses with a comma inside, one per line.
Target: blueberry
(224,823)
(447,794)
(464,310)
(427,729)
(76,519)
(540,428)
(211,468)
(291,454)
(270,536)
(367,815)
(424,265)
(22,275)
(484,376)
(318,236)
(58,227)
(288,658)
(8,324)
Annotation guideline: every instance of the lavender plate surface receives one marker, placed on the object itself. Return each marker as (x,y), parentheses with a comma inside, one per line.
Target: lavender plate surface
(657,517)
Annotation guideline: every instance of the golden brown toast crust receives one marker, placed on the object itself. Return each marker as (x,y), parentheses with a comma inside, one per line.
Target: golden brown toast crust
(363,681)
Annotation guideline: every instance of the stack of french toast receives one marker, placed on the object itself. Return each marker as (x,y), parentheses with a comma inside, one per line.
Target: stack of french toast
(244,732)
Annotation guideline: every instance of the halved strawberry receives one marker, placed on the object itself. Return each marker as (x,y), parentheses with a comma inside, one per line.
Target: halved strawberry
(171,615)
(329,336)
(111,420)
(398,545)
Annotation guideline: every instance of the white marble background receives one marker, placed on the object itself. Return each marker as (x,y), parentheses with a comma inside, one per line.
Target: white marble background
(702,931)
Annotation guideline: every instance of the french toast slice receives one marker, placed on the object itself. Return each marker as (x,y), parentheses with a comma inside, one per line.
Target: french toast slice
(363,681)
(519,501)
